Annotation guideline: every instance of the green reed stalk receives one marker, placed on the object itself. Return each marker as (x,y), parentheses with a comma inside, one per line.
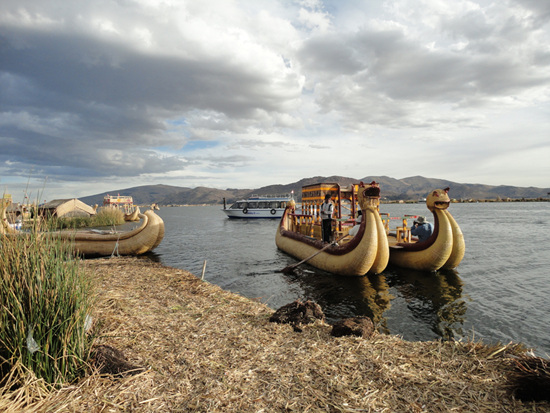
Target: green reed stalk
(105,217)
(46,300)
(108,217)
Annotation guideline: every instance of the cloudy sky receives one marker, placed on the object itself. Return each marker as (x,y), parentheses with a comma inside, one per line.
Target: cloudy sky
(109,94)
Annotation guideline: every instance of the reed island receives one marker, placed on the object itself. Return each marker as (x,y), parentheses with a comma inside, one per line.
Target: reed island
(185,345)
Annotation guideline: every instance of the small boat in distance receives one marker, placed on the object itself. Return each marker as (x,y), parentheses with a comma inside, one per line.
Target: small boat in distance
(258,206)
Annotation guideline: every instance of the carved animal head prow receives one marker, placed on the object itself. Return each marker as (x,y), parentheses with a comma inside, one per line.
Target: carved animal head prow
(368,195)
(438,199)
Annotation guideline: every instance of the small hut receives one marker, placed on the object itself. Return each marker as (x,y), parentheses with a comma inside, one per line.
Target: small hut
(66,208)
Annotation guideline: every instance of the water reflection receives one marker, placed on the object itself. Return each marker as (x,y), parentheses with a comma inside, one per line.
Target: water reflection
(342,297)
(434,299)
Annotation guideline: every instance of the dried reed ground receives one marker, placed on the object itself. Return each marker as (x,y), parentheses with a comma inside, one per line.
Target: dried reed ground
(210,350)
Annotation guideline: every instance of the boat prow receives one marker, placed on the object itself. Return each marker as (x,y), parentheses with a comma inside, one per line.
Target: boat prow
(443,250)
(133,216)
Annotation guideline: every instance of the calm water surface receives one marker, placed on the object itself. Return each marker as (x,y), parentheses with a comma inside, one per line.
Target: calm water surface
(499,293)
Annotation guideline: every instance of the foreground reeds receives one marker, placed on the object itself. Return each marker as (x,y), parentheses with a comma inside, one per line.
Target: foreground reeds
(45,302)
(208,350)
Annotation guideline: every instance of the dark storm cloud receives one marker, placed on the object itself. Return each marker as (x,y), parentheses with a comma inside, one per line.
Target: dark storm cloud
(78,101)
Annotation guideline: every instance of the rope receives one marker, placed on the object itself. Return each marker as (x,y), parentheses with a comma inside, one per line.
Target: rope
(116,249)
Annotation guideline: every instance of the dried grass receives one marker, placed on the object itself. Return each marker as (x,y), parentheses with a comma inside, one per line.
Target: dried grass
(209,350)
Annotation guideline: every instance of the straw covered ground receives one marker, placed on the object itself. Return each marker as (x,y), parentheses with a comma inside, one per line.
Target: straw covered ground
(208,350)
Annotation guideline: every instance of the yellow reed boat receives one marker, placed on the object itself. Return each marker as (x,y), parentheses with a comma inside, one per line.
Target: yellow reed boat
(443,250)
(93,243)
(299,232)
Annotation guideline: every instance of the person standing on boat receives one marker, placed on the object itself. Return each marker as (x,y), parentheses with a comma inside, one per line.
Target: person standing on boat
(327,209)
(422,229)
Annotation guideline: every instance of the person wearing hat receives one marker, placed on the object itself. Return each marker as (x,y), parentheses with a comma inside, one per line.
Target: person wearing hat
(422,229)
(327,209)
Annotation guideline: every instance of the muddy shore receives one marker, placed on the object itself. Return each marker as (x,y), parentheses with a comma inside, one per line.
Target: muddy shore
(204,349)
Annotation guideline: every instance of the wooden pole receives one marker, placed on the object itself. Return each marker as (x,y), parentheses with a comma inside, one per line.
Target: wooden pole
(203,269)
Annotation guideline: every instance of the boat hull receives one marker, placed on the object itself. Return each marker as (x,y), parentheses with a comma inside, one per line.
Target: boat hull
(253,213)
(147,236)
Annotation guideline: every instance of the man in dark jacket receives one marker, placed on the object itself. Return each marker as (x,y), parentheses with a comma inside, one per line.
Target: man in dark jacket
(327,209)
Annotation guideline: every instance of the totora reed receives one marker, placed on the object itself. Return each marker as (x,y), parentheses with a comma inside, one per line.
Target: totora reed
(195,347)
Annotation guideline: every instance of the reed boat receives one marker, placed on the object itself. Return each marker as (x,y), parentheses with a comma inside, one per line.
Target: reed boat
(443,250)
(299,233)
(93,243)
(133,216)
(144,238)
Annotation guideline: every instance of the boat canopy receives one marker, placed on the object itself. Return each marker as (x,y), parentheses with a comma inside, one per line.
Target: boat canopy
(344,198)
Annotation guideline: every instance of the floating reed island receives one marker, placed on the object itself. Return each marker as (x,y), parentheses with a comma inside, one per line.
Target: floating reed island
(186,345)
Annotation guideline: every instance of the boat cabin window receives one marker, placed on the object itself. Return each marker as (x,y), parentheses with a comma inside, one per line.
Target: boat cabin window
(259,204)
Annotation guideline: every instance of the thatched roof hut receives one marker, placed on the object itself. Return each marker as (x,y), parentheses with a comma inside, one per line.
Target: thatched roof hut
(66,208)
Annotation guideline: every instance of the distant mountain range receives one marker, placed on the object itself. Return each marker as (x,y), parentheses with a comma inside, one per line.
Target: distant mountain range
(413,188)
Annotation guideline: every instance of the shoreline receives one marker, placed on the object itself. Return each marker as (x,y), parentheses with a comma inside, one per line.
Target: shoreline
(207,349)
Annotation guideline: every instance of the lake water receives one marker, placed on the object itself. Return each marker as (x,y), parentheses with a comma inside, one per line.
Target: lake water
(499,293)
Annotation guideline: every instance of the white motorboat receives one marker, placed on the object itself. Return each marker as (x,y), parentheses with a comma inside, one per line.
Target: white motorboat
(258,206)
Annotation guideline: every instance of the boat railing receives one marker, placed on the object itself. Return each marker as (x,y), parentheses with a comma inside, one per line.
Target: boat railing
(306,224)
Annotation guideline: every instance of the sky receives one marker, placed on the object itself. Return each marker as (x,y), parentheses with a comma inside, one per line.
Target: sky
(102,95)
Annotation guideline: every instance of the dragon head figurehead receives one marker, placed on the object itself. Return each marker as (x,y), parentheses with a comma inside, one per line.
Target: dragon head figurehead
(368,195)
(438,199)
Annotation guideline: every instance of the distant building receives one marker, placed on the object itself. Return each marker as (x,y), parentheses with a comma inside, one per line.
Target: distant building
(66,208)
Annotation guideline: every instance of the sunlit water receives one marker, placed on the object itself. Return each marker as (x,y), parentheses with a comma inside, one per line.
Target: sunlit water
(499,293)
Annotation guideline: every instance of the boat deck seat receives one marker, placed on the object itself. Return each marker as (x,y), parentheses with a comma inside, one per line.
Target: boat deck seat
(403,234)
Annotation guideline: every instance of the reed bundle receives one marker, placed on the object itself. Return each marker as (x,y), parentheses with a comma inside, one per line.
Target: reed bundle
(208,350)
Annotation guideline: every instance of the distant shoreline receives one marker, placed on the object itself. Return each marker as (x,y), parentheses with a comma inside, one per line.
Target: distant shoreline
(455,201)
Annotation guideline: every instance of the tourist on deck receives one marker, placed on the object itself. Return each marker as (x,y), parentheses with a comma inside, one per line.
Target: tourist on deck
(327,209)
(422,229)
